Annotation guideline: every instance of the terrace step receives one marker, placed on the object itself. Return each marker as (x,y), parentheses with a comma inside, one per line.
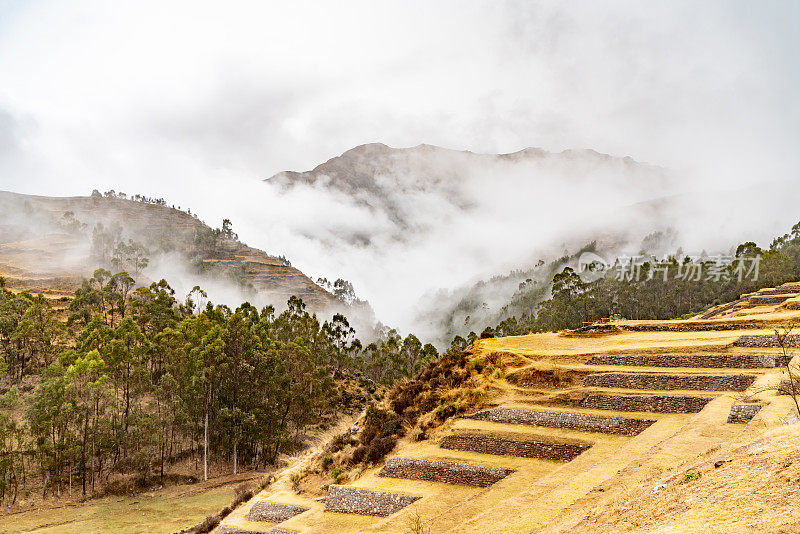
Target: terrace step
(719,361)
(522,448)
(359,501)
(670,382)
(447,472)
(575,421)
(647,403)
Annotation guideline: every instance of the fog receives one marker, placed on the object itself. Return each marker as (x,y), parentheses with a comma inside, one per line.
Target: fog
(198,103)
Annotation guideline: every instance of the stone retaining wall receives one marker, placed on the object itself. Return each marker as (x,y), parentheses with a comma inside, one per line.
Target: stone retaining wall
(272,512)
(765,341)
(626,426)
(670,382)
(647,403)
(766,300)
(449,473)
(743,413)
(785,387)
(718,361)
(689,327)
(513,447)
(223,529)
(780,290)
(350,500)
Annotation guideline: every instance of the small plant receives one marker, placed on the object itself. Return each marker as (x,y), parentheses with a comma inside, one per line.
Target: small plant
(327,460)
(296,478)
(689,477)
(416,525)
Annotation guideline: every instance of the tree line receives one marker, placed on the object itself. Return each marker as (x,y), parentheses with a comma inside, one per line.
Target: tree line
(131,380)
(660,290)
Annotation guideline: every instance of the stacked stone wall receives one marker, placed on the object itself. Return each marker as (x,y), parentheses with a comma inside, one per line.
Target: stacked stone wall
(765,300)
(717,361)
(743,413)
(785,387)
(513,447)
(224,529)
(350,500)
(670,382)
(689,327)
(766,341)
(646,403)
(449,473)
(272,512)
(626,426)
(780,290)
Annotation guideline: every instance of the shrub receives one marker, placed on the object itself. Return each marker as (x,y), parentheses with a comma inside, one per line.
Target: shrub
(336,475)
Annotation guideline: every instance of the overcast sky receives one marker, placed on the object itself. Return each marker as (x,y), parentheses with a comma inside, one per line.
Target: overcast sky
(196,101)
(152,96)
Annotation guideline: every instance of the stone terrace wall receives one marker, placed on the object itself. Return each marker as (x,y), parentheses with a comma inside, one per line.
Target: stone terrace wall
(276,530)
(647,403)
(513,447)
(670,382)
(223,529)
(272,512)
(785,387)
(718,361)
(743,413)
(449,473)
(350,500)
(765,341)
(764,300)
(626,426)
(689,327)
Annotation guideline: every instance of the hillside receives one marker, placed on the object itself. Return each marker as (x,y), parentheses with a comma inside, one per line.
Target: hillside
(663,426)
(46,246)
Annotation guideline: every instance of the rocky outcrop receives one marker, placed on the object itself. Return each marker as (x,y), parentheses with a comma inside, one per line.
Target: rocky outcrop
(647,403)
(561,452)
(350,500)
(670,382)
(449,473)
(718,361)
(626,426)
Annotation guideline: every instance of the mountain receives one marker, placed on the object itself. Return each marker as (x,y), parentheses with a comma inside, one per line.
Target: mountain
(50,244)
(402,184)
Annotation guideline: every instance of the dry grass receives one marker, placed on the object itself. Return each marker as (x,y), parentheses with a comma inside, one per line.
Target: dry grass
(755,489)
